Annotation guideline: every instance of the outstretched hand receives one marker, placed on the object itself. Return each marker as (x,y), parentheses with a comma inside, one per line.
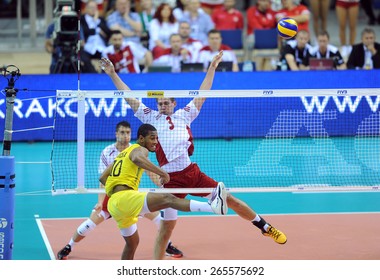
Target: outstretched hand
(216,60)
(106,65)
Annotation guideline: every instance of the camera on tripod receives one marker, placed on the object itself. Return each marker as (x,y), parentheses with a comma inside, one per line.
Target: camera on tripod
(65,35)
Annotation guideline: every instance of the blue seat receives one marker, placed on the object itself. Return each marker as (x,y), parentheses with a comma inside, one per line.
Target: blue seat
(232,38)
(266,39)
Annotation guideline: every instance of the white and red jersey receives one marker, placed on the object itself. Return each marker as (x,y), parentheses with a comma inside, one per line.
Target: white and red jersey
(206,55)
(167,58)
(107,157)
(174,135)
(126,60)
(193,46)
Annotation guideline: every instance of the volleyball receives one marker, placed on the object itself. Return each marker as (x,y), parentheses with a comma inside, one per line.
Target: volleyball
(287,28)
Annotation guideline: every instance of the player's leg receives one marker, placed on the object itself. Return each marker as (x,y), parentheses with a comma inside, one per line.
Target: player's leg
(165,232)
(247,213)
(170,250)
(241,208)
(160,201)
(131,238)
(84,229)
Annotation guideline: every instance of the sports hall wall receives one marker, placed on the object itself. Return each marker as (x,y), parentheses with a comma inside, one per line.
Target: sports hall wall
(227,117)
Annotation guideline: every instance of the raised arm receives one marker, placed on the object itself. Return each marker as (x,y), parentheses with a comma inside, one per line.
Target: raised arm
(208,80)
(105,174)
(139,156)
(109,69)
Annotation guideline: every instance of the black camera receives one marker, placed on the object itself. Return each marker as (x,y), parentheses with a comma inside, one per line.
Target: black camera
(65,36)
(65,24)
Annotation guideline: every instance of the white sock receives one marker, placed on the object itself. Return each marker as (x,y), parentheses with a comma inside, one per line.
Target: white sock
(197,206)
(72,243)
(256,219)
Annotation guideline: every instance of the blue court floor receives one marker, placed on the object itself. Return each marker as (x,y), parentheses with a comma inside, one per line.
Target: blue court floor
(34,199)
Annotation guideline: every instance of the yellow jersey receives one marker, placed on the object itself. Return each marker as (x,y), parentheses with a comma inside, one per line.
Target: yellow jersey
(124,172)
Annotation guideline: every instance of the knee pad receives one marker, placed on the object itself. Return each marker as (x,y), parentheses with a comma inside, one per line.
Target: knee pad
(169,214)
(129,230)
(86,227)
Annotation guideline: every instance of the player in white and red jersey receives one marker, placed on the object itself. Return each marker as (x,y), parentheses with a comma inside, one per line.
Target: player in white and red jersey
(207,53)
(192,45)
(100,212)
(173,153)
(126,55)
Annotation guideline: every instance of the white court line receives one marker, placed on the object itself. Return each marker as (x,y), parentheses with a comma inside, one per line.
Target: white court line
(44,237)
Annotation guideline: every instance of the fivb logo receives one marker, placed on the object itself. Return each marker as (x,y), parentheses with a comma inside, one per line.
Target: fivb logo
(3,223)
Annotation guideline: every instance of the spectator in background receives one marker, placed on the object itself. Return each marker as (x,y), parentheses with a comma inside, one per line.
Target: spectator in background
(192,45)
(175,55)
(95,30)
(126,21)
(295,51)
(259,16)
(319,11)
(365,55)
(227,17)
(102,6)
(146,15)
(347,12)
(162,26)
(200,22)
(325,50)
(299,13)
(180,9)
(207,53)
(367,6)
(126,56)
(210,5)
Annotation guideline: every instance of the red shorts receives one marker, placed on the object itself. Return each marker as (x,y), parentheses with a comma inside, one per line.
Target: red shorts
(190,177)
(105,202)
(346,5)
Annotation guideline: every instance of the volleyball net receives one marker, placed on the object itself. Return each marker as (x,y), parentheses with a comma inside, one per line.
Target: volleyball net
(252,140)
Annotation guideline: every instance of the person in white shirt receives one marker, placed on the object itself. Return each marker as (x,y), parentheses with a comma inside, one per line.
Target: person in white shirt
(174,150)
(214,46)
(126,56)
(192,45)
(175,55)
(100,212)
(162,26)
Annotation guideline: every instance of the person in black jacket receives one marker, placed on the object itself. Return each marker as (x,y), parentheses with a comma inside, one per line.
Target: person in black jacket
(365,55)
(95,30)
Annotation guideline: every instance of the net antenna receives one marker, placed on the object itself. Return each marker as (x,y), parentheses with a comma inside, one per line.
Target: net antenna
(280,140)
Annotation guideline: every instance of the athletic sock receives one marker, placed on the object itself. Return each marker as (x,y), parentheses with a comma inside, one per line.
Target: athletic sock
(260,223)
(197,206)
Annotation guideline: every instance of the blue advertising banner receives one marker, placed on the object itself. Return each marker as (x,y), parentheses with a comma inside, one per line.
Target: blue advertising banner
(36,105)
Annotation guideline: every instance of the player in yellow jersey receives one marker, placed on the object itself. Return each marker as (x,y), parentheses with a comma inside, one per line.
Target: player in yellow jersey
(126,203)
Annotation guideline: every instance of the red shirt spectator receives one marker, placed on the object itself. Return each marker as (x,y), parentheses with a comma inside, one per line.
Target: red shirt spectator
(299,13)
(227,17)
(260,16)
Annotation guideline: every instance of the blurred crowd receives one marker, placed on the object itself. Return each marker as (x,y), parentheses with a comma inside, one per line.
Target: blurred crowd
(156,35)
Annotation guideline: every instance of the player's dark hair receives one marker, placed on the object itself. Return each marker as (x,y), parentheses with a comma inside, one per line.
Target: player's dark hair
(144,130)
(172,99)
(117,31)
(123,124)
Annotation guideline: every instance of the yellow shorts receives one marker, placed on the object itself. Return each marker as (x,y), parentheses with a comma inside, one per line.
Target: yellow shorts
(125,206)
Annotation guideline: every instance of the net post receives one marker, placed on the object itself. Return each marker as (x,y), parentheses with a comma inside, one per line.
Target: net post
(80,141)
(7,198)
(7,169)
